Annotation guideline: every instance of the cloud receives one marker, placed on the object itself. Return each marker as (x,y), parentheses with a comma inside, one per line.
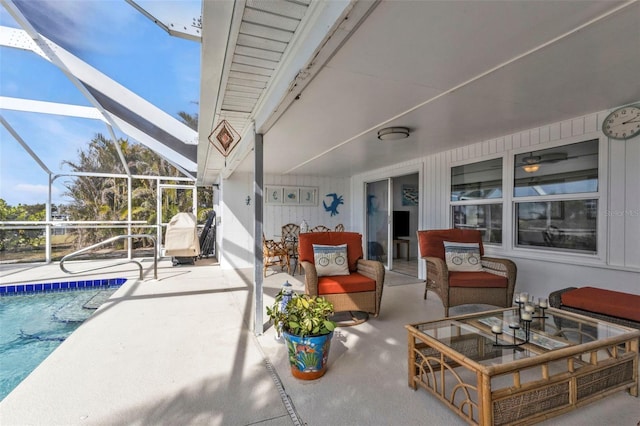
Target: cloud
(28,193)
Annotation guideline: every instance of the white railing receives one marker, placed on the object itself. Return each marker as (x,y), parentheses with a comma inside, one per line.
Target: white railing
(109,241)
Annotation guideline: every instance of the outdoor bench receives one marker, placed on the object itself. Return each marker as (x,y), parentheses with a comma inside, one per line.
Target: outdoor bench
(608,305)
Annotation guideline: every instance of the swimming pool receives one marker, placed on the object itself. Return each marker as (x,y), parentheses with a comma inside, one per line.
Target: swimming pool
(33,324)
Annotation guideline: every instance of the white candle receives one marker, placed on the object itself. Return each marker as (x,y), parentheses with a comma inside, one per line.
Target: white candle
(524,297)
(496,329)
(529,308)
(514,325)
(526,316)
(543,303)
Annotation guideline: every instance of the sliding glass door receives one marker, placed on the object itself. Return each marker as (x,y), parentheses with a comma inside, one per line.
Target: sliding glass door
(377,221)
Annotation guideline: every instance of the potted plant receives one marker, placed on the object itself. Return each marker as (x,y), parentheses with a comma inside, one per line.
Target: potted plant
(307,330)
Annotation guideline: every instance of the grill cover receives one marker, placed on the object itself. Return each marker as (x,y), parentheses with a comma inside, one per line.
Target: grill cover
(181,239)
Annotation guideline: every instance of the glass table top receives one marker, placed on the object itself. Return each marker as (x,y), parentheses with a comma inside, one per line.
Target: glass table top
(501,336)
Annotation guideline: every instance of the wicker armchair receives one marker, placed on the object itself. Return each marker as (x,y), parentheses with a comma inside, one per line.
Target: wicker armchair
(494,285)
(361,290)
(274,253)
(339,228)
(320,228)
(290,233)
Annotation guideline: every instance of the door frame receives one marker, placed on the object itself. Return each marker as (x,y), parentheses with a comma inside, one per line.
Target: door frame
(359,211)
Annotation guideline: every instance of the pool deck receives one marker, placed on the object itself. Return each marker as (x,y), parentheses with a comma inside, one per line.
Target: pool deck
(180,350)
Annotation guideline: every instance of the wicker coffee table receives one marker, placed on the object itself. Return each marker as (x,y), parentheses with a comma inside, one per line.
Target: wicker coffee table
(501,377)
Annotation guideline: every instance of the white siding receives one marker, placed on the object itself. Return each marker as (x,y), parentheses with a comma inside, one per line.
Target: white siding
(236,222)
(538,272)
(277,215)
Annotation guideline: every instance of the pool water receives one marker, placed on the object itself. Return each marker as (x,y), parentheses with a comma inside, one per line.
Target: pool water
(33,325)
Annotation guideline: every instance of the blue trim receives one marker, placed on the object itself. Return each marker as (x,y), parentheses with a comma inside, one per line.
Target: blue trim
(13,289)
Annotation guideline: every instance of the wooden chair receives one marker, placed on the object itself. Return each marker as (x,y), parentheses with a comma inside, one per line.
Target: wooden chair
(274,253)
(493,285)
(320,228)
(361,290)
(290,233)
(339,228)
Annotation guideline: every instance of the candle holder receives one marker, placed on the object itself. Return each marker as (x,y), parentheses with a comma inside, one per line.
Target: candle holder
(543,304)
(520,303)
(513,326)
(526,327)
(496,332)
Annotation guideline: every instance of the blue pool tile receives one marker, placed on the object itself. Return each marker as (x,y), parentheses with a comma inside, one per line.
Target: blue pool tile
(58,286)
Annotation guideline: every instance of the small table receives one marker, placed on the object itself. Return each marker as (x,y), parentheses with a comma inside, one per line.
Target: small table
(399,243)
(502,377)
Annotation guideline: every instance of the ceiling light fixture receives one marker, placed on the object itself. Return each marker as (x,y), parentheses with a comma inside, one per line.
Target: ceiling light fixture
(531,163)
(393,133)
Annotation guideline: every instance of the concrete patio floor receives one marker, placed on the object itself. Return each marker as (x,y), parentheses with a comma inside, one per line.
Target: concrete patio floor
(180,351)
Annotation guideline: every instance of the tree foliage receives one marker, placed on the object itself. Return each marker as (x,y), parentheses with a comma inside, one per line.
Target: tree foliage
(13,239)
(105,198)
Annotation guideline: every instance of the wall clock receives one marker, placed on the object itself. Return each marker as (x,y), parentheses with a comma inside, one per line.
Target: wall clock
(622,123)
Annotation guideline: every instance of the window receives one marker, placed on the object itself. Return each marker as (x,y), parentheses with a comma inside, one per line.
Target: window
(556,197)
(476,198)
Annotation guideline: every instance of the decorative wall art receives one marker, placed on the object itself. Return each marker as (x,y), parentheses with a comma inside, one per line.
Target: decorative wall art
(291,195)
(333,206)
(409,195)
(309,196)
(273,194)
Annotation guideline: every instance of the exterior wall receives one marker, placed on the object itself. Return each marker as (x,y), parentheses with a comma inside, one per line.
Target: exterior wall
(236,222)
(277,215)
(617,265)
(237,217)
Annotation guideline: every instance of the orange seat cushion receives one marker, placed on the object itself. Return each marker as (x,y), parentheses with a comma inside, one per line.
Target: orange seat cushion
(353,240)
(477,279)
(353,283)
(607,302)
(431,242)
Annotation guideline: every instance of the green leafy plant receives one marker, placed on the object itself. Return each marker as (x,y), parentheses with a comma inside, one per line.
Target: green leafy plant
(304,315)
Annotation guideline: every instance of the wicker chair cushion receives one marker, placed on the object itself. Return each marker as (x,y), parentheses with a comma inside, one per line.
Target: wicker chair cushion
(353,283)
(432,241)
(608,302)
(353,240)
(477,279)
(330,260)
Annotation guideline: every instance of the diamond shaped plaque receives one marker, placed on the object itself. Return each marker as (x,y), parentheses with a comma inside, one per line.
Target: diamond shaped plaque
(224,138)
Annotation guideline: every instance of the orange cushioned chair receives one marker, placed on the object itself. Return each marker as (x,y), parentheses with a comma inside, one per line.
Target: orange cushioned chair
(360,290)
(494,284)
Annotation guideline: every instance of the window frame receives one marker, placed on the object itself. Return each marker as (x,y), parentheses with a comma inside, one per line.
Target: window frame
(508,200)
(563,254)
(482,201)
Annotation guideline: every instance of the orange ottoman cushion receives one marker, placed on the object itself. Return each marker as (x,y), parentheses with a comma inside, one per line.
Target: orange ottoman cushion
(607,302)
(353,283)
(477,279)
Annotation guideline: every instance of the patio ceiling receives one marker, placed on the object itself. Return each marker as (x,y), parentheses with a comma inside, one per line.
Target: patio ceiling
(453,72)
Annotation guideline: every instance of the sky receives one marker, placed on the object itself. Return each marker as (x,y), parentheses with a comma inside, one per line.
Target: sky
(109,35)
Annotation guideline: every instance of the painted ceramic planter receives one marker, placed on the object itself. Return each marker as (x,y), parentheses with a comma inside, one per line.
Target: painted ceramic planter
(308,355)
